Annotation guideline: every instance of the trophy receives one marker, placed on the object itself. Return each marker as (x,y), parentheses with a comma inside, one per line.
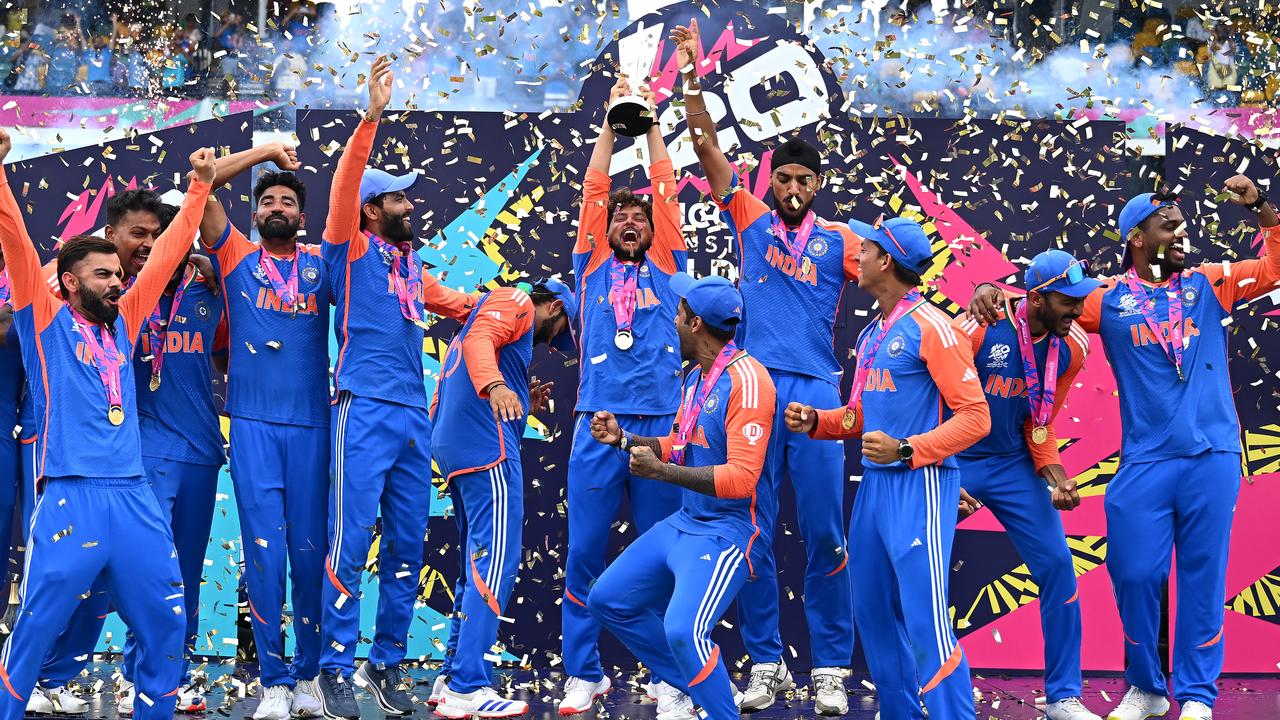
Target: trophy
(631,115)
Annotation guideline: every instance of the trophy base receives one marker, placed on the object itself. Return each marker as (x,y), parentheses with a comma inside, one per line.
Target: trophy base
(630,115)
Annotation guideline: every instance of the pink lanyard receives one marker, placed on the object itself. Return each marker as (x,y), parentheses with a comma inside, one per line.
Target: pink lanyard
(158,328)
(5,292)
(691,407)
(867,356)
(624,280)
(1173,346)
(406,285)
(287,292)
(106,359)
(1040,395)
(795,247)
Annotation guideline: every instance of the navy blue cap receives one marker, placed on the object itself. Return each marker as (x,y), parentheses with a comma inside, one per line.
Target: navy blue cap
(377,182)
(1134,212)
(1057,271)
(903,239)
(564,342)
(712,298)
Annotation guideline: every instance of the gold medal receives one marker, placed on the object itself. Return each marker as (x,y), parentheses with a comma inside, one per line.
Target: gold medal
(155,383)
(116,415)
(849,418)
(1039,434)
(806,265)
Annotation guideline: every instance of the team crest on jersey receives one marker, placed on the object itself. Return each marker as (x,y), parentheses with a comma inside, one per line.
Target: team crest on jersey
(644,270)
(713,402)
(896,346)
(1129,305)
(817,247)
(202,310)
(1189,296)
(311,274)
(999,356)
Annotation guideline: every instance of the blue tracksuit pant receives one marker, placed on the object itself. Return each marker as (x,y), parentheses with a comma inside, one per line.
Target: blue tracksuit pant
(598,479)
(816,470)
(381,461)
(489,506)
(10,482)
(280,475)
(1009,487)
(902,526)
(1152,508)
(662,596)
(83,528)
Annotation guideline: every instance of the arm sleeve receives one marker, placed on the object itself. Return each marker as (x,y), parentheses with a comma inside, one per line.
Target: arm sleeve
(1046,453)
(852,246)
(950,363)
(748,422)
(667,237)
(1247,279)
(831,425)
(229,250)
(170,248)
(445,301)
(221,338)
(506,315)
(668,441)
(742,207)
(593,219)
(1091,317)
(26,279)
(343,224)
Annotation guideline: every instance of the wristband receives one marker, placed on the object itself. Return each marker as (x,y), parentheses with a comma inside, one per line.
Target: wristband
(1257,205)
(624,442)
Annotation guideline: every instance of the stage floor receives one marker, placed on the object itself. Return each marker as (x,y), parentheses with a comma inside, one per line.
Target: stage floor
(1003,698)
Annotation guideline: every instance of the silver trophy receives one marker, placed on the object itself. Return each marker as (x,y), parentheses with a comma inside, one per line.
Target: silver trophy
(631,115)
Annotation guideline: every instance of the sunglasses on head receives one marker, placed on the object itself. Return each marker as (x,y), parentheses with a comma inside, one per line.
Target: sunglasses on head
(1074,274)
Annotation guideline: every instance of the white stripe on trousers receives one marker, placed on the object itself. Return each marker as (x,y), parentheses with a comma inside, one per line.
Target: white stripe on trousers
(26,575)
(339,471)
(498,542)
(726,565)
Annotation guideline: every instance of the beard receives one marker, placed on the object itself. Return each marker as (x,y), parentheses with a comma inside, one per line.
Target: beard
(789,215)
(278,227)
(394,230)
(97,305)
(546,331)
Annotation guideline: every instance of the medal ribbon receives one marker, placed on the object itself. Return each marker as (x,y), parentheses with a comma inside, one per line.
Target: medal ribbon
(106,357)
(287,292)
(1173,291)
(6,293)
(158,327)
(624,281)
(795,247)
(691,406)
(406,284)
(867,355)
(1040,395)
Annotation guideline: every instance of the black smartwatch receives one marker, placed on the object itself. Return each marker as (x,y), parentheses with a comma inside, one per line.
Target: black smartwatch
(1258,204)
(905,452)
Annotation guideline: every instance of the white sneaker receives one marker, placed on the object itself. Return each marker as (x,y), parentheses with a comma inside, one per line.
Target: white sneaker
(829,695)
(1138,704)
(125,694)
(1196,710)
(767,681)
(276,703)
(483,703)
(651,691)
(1069,709)
(437,690)
(66,702)
(673,704)
(39,703)
(580,695)
(305,704)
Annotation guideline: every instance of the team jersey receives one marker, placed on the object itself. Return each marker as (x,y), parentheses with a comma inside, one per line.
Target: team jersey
(923,369)
(278,364)
(790,307)
(12,378)
(79,440)
(998,358)
(644,379)
(495,345)
(1161,416)
(179,419)
(732,435)
(379,348)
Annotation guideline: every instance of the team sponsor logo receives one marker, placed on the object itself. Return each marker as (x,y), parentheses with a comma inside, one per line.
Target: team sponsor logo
(753,432)
(896,346)
(817,247)
(999,356)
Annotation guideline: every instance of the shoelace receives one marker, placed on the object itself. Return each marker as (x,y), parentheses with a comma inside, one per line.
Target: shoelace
(343,689)
(1132,699)
(573,685)
(764,677)
(829,683)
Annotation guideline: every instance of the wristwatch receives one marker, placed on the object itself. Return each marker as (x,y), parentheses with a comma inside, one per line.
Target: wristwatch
(905,452)
(1258,204)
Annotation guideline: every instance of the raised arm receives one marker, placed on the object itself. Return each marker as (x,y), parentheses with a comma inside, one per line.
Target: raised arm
(702,129)
(1248,279)
(171,247)
(27,285)
(344,197)
(214,223)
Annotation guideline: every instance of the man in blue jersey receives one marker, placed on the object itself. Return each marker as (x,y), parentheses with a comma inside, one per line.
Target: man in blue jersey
(1164,329)
(479,419)
(627,250)
(792,268)
(1027,363)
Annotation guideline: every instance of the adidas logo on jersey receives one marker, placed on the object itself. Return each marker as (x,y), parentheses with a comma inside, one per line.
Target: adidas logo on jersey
(916,543)
(969,374)
(706,557)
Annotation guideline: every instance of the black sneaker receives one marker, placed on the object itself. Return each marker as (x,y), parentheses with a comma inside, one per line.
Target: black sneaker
(337,697)
(386,684)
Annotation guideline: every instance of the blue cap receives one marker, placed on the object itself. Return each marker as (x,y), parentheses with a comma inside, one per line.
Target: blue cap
(903,239)
(712,298)
(1134,212)
(377,182)
(1057,271)
(564,342)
